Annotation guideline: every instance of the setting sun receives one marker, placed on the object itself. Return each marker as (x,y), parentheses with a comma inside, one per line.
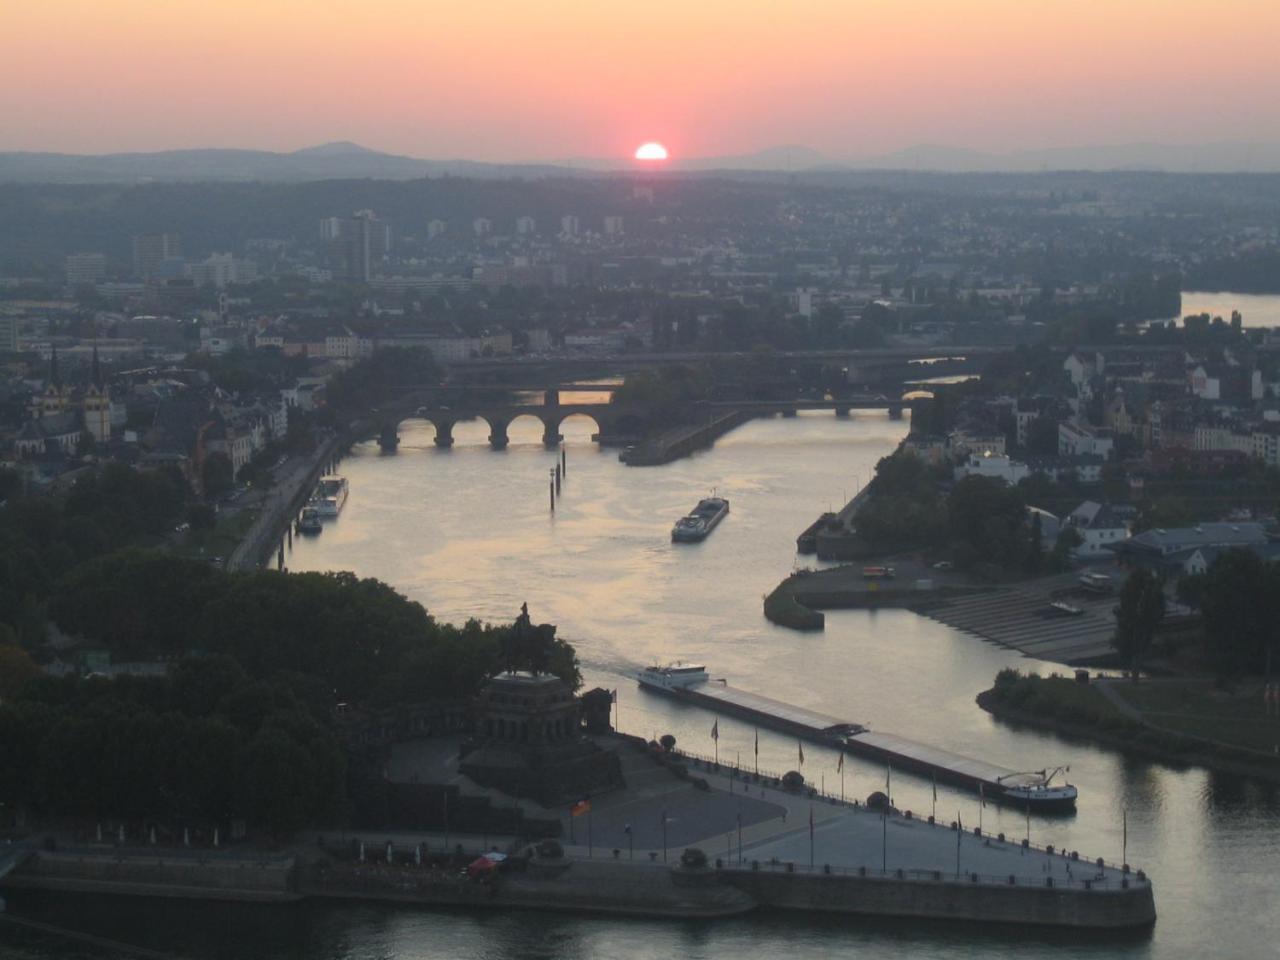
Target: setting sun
(651,151)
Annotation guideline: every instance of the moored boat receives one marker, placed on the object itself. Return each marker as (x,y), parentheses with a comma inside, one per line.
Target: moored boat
(309,522)
(331,496)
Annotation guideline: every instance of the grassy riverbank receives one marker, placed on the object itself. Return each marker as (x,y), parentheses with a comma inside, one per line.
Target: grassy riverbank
(1180,721)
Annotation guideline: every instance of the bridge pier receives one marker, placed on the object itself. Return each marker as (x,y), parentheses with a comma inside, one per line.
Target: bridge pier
(444,434)
(498,438)
(551,436)
(895,411)
(389,438)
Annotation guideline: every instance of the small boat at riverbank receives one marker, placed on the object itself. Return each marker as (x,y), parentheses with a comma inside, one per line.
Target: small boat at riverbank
(331,496)
(309,522)
(698,524)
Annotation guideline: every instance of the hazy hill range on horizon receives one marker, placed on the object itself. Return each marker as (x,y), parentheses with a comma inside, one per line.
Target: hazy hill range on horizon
(347,160)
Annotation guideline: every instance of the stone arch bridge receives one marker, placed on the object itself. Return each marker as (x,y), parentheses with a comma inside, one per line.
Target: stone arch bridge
(615,422)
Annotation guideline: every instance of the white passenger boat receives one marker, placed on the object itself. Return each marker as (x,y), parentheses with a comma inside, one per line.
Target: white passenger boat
(331,496)
(673,676)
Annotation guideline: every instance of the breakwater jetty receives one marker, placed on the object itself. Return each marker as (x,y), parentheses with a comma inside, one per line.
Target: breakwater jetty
(683,440)
(996,783)
(1051,618)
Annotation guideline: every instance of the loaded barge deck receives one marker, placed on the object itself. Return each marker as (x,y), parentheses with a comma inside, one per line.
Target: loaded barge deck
(691,682)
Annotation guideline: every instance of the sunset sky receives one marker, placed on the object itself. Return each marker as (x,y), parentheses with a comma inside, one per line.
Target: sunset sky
(550,79)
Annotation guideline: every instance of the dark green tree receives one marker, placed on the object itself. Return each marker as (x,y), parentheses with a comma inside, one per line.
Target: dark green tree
(1138,615)
(217,475)
(1240,603)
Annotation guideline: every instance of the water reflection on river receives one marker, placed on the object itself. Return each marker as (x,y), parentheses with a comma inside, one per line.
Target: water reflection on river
(468,533)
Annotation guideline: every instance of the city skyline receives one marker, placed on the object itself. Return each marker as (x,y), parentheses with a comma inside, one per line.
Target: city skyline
(568,79)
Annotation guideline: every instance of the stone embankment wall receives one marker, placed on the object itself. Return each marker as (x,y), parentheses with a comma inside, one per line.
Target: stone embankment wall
(949,899)
(160,876)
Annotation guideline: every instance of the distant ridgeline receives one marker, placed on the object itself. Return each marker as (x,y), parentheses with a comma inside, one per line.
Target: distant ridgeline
(241,726)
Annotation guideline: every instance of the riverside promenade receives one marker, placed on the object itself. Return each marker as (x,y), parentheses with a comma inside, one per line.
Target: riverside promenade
(765,847)
(281,505)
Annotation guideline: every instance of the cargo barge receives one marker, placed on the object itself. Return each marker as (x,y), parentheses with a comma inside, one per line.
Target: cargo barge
(699,524)
(1033,789)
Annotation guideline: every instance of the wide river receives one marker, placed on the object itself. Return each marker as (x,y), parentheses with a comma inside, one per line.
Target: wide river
(468,533)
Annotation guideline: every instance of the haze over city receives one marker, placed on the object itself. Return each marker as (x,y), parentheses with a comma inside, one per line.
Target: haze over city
(568,79)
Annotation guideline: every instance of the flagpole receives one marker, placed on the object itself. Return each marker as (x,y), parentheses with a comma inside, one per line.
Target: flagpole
(757,752)
(934,813)
(1124,848)
(959,836)
(982,804)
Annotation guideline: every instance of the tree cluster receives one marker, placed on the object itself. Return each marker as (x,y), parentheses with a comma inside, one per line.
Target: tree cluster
(1239,596)
(43,538)
(982,522)
(358,637)
(375,380)
(201,745)
(904,507)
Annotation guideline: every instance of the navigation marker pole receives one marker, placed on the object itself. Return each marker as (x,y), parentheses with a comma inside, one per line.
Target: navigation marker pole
(552,490)
(1124,843)
(959,837)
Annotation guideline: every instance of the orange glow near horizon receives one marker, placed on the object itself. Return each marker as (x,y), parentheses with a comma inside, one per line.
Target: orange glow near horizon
(584,78)
(651,152)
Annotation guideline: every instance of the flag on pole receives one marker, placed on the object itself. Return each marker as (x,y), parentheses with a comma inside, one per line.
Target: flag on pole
(800,747)
(715,730)
(982,795)
(580,808)
(840,763)
(935,786)
(757,741)
(888,778)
